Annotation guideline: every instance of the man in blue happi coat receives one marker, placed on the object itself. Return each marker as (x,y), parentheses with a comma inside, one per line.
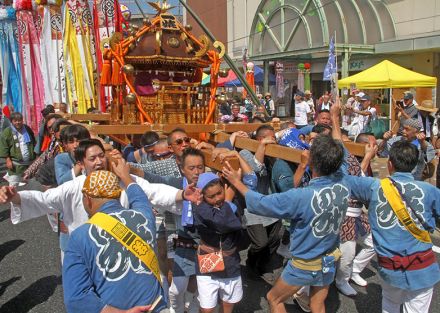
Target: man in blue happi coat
(316,213)
(99,274)
(407,264)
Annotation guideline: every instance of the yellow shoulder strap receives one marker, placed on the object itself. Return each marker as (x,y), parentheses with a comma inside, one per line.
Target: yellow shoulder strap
(129,240)
(396,203)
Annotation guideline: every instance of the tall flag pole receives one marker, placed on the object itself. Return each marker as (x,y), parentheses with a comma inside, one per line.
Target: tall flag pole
(331,69)
(335,89)
(244,60)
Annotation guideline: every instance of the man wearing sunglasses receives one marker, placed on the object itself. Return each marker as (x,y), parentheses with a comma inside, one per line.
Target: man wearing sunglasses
(161,162)
(178,141)
(161,151)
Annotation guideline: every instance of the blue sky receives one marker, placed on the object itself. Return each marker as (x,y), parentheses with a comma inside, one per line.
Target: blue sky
(146,8)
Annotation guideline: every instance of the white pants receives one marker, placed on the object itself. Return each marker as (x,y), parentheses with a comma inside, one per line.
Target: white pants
(165,286)
(349,263)
(416,301)
(177,295)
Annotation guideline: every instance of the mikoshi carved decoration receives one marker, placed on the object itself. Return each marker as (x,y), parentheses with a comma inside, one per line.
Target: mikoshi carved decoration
(155,71)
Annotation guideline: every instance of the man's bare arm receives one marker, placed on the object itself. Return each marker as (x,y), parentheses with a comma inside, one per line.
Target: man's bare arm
(9,194)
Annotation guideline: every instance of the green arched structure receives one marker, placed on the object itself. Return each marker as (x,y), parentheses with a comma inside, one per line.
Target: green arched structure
(302,28)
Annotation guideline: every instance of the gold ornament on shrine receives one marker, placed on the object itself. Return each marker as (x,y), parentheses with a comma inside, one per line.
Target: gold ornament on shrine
(128,69)
(223,72)
(130,98)
(220,99)
(173,42)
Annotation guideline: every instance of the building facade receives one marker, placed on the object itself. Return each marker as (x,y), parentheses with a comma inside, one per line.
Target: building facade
(366,32)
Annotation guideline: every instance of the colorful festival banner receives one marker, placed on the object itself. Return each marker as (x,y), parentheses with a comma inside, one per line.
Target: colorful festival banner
(301,77)
(80,56)
(29,24)
(250,77)
(10,59)
(279,71)
(107,19)
(51,45)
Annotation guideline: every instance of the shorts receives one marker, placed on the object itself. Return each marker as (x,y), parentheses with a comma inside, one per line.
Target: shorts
(229,290)
(294,276)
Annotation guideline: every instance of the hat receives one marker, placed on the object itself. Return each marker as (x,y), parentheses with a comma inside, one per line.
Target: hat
(307,92)
(267,94)
(408,96)
(365,98)
(205,179)
(102,184)
(411,122)
(299,93)
(360,94)
(427,105)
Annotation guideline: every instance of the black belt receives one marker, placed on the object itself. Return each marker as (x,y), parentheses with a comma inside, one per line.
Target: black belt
(185,243)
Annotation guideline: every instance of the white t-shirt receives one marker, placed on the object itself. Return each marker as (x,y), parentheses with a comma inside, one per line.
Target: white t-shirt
(301,110)
(325,106)
(364,119)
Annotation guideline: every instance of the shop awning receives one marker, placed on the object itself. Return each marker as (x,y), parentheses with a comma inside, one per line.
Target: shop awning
(205,79)
(221,81)
(232,81)
(386,74)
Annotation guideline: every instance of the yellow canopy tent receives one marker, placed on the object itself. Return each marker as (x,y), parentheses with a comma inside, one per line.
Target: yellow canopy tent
(386,74)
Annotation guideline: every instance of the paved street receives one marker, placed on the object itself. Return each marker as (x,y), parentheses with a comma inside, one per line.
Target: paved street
(30,273)
(30,279)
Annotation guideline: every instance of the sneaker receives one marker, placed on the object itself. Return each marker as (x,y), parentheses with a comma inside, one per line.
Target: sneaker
(346,289)
(269,278)
(284,251)
(358,280)
(303,300)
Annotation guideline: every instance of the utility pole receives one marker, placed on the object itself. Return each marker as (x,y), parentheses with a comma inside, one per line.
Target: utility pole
(228,60)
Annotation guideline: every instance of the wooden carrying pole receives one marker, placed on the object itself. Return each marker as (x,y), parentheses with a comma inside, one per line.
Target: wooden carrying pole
(281,152)
(102,117)
(167,128)
(219,133)
(216,164)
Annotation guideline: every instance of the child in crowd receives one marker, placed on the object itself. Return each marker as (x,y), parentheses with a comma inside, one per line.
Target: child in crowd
(220,230)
